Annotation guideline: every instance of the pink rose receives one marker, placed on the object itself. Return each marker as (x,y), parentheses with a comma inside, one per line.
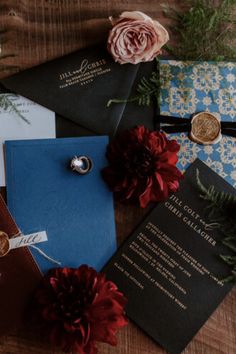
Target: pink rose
(135,38)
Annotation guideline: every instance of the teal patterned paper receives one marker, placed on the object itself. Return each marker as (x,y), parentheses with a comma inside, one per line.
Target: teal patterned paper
(191,87)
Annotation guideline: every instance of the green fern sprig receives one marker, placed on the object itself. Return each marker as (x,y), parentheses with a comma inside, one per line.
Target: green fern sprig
(204,31)
(218,203)
(147,90)
(231,261)
(6,103)
(217,198)
(231,278)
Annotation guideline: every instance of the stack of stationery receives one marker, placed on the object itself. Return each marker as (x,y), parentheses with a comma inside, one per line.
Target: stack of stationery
(55,186)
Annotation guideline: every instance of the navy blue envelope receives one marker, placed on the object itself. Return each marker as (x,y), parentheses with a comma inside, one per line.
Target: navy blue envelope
(75,210)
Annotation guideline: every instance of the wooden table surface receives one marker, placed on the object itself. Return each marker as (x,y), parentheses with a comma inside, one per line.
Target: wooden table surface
(36,31)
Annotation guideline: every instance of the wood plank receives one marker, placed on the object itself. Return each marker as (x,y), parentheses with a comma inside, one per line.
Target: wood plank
(37,31)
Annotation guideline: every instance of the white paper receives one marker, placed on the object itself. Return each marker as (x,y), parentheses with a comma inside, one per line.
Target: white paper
(41,125)
(27,240)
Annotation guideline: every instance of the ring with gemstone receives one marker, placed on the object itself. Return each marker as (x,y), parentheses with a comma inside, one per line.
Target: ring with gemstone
(81,164)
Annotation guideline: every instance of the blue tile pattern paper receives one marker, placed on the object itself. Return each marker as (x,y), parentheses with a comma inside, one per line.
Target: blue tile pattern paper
(190,87)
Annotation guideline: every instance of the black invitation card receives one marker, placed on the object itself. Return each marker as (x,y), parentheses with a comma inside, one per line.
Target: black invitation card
(170,269)
(78,87)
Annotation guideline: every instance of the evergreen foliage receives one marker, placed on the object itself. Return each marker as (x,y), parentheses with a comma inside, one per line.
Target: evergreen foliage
(219,205)
(7,104)
(147,90)
(206,31)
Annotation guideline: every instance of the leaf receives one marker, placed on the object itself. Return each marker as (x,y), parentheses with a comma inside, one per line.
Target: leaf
(146,91)
(204,31)
(7,104)
(218,203)
(231,260)
(230,278)
(212,21)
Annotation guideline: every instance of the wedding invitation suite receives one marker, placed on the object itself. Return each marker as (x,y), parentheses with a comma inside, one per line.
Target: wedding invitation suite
(27,121)
(76,211)
(170,268)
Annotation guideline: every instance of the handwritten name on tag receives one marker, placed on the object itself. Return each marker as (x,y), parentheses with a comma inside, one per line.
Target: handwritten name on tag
(27,240)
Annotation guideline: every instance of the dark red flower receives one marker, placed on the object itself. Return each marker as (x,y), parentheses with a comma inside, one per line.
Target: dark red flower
(142,166)
(80,307)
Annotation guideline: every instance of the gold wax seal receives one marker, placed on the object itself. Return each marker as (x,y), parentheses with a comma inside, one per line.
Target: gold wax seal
(4,244)
(205,128)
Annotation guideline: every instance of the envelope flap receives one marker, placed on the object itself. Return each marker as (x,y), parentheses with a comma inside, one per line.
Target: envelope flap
(78,87)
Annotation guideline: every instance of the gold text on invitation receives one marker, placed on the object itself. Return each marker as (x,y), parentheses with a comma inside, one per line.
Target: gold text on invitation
(85,73)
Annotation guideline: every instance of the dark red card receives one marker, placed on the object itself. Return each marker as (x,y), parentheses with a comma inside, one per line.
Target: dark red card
(19,276)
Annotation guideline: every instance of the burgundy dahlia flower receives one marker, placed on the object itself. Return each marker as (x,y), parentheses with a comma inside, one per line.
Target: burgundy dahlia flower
(142,166)
(79,307)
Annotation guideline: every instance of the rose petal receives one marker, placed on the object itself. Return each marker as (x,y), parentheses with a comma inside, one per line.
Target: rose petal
(135,38)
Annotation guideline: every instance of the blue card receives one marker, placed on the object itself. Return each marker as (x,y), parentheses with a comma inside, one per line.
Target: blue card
(75,210)
(190,87)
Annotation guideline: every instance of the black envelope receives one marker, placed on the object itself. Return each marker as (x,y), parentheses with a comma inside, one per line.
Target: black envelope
(78,86)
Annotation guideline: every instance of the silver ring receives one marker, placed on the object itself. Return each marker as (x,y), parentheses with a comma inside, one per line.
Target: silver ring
(81,164)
